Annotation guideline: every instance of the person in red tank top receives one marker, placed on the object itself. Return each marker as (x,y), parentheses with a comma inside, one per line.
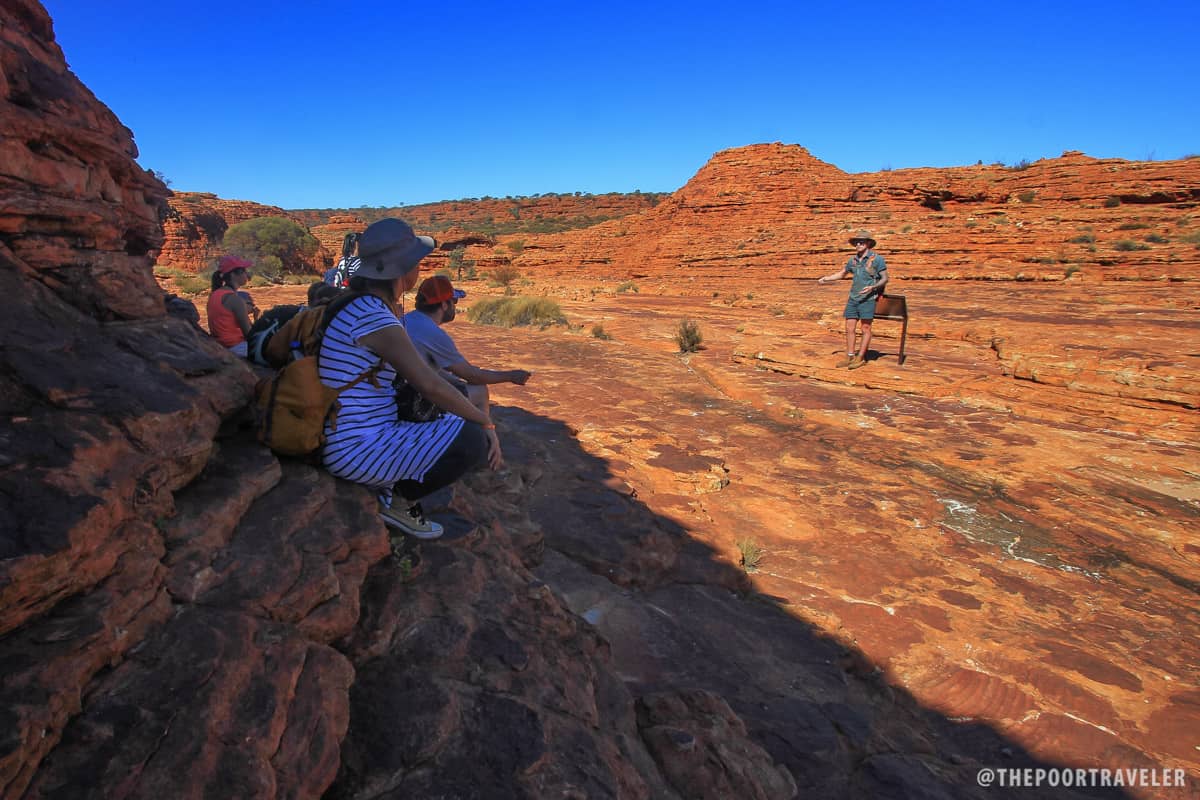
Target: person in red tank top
(228,316)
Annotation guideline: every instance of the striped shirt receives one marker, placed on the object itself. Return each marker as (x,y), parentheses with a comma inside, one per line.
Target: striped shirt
(370,445)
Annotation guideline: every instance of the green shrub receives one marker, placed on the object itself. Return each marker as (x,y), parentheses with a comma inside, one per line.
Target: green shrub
(171,272)
(516,245)
(599,332)
(1128,245)
(1083,238)
(275,245)
(688,336)
(505,274)
(1027,197)
(193,284)
(1021,165)
(456,262)
(1071,270)
(1133,226)
(1112,202)
(627,286)
(510,312)
(751,554)
(1157,238)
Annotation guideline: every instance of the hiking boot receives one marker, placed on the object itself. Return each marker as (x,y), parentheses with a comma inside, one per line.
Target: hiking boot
(411,521)
(845,362)
(856,363)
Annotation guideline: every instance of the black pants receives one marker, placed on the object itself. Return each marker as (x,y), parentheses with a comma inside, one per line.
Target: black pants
(465,453)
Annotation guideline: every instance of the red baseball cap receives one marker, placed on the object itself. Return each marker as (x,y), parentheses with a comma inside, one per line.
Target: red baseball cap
(228,264)
(437,289)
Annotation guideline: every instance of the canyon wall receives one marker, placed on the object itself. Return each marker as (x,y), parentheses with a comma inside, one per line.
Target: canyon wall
(183,615)
(485,213)
(194,227)
(773,210)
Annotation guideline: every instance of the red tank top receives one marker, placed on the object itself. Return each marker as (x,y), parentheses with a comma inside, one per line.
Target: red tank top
(221,322)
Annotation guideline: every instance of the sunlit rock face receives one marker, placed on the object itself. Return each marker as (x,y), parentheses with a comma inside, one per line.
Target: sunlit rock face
(774,210)
(981,558)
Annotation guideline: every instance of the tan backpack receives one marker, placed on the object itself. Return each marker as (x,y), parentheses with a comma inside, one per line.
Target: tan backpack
(294,406)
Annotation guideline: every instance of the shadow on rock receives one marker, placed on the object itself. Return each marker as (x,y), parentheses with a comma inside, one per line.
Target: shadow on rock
(574,643)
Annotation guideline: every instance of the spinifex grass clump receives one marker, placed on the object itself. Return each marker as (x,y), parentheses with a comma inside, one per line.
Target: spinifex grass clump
(688,336)
(512,311)
(751,552)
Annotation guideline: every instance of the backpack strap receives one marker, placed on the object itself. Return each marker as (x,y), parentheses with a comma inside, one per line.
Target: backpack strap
(334,307)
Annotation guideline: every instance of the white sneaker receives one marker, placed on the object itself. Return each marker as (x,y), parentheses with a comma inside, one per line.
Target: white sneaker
(411,520)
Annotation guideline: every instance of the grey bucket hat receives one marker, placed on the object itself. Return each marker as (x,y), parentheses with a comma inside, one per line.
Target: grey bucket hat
(863,235)
(389,249)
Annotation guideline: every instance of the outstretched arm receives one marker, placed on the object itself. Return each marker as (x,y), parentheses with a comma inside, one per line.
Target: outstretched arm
(476,376)
(833,276)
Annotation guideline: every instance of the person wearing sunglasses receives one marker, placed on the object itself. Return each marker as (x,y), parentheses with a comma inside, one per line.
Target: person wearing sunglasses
(868,273)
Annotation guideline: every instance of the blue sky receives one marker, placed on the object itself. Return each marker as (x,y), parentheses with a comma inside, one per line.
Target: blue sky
(312,103)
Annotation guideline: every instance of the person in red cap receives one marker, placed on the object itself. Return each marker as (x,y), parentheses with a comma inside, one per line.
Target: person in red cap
(437,305)
(228,313)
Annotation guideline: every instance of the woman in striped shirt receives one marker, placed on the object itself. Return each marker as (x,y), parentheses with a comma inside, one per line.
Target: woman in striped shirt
(367,444)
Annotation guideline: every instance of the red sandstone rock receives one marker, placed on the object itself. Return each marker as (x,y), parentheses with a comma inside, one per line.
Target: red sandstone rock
(980,559)
(774,211)
(332,234)
(704,750)
(195,226)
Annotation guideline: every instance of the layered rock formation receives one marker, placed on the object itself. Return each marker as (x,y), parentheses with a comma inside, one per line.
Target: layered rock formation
(982,559)
(487,212)
(332,234)
(195,225)
(774,210)
(183,615)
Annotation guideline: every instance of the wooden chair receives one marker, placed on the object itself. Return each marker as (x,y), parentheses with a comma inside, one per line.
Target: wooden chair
(893,306)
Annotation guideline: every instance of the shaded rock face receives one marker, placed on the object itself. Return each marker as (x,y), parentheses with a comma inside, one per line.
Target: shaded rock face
(79,215)
(774,210)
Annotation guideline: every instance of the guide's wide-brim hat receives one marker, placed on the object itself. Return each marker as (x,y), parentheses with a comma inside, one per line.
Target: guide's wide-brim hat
(863,235)
(389,249)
